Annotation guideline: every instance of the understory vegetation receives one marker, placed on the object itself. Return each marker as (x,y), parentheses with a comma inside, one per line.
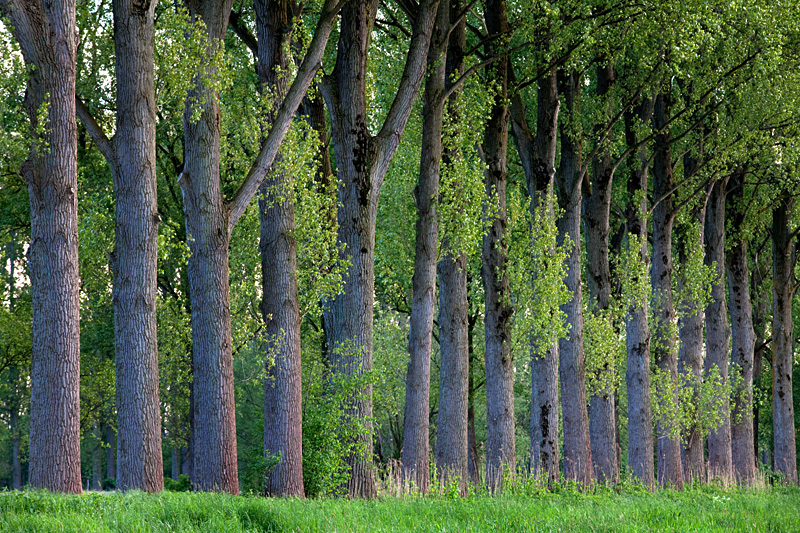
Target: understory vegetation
(527,508)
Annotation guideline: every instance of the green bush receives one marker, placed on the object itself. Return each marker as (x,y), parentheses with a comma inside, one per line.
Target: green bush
(182,484)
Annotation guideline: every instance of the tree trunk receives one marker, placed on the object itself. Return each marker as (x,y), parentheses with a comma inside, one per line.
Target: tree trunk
(176,463)
(416,455)
(111,460)
(208,235)
(135,255)
(690,353)
(596,208)
(718,331)
(47,36)
(743,340)
(762,325)
(571,368)
(16,433)
(455,333)
(538,155)
(280,303)
(362,161)
(670,471)
(451,424)
(498,318)
(473,462)
(97,460)
(637,374)
(783,288)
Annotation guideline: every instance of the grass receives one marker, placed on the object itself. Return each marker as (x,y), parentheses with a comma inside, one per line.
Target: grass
(696,509)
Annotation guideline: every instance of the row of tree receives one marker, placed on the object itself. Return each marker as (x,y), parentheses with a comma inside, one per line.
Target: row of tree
(643,131)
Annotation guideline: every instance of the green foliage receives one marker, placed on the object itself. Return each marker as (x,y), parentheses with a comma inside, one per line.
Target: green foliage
(632,268)
(696,278)
(604,350)
(462,196)
(537,272)
(185,56)
(182,484)
(632,509)
(331,430)
(690,403)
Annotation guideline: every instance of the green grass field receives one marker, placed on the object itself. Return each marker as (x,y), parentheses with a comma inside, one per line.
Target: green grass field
(697,509)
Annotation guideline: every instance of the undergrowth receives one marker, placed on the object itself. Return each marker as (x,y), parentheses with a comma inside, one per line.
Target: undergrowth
(566,508)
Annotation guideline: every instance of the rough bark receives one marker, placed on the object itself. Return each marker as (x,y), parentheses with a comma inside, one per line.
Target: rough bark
(134,260)
(362,161)
(416,455)
(451,424)
(538,154)
(207,228)
(280,304)
(783,288)
(690,353)
(664,347)
(498,317)
(637,374)
(596,209)
(210,219)
(571,367)
(718,331)
(46,32)
(452,434)
(743,339)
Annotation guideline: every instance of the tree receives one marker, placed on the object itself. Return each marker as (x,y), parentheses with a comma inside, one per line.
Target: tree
(498,318)
(783,289)
(571,366)
(718,331)
(131,154)
(416,462)
(210,219)
(280,304)
(47,37)
(362,161)
(742,335)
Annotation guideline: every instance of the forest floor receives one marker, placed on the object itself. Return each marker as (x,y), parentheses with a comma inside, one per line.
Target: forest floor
(695,509)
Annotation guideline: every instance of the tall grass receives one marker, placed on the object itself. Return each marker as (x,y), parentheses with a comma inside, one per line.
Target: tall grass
(701,508)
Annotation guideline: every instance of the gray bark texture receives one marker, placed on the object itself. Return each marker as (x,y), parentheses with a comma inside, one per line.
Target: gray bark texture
(210,219)
(416,428)
(596,210)
(207,228)
(571,367)
(664,347)
(498,318)
(783,288)
(637,373)
(690,353)
(47,35)
(134,260)
(452,423)
(537,152)
(742,337)
(718,333)
(280,303)
(362,161)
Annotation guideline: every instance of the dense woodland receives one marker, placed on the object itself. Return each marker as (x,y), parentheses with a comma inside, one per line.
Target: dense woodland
(343,246)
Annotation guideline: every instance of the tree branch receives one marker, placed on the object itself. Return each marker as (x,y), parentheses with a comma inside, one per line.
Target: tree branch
(294,96)
(243,33)
(103,143)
